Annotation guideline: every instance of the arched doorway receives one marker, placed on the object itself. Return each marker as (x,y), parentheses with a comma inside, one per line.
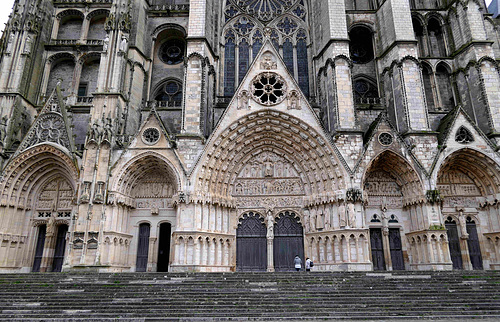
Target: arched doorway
(464,180)
(251,250)
(454,243)
(388,182)
(143,247)
(60,248)
(164,247)
(288,241)
(473,244)
(40,243)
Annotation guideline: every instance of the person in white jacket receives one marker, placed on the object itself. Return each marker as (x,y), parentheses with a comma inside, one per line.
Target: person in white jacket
(308,264)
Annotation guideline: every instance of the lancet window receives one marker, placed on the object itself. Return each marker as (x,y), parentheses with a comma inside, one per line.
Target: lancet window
(248,22)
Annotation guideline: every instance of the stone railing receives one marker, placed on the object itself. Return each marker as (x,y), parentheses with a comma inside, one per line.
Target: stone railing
(64,42)
(94,42)
(84,100)
(369,101)
(165,104)
(83,1)
(170,7)
(428,250)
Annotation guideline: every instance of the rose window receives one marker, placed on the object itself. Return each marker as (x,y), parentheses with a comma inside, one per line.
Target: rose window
(385,139)
(268,89)
(172,52)
(151,135)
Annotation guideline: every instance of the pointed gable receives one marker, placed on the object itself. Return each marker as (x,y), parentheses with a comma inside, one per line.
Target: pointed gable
(50,126)
(152,133)
(268,84)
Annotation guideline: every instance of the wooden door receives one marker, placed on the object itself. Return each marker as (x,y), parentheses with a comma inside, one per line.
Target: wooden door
(473,244)
(143,248)
(251,246)
(164,247)
(454,243)
(60,248)
(377,249)
(288,241)
(396,248)
(40,242)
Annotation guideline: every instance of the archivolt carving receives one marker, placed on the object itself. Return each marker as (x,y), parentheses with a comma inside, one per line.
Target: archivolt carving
(390,176)
(29,168)
(465,169)
(149,178)
(275,133)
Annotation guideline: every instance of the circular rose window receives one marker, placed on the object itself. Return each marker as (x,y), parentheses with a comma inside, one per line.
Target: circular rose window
(172,52)
(268,88)
(151,136)
(385,139)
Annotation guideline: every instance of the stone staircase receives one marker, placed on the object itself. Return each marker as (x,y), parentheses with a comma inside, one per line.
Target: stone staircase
(250,296)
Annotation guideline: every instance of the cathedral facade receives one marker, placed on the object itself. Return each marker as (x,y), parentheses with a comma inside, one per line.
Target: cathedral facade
(232,135)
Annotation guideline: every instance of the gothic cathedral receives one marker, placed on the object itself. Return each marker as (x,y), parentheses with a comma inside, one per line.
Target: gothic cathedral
(232,135)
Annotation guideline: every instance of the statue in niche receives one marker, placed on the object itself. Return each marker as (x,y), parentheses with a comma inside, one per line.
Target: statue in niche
(124,44)
(294,101)
(27,45)
(342,215)
(312,221)
(270,225)
(243,99)
(10,43)
(306,221)
(105,44)
(51,226)
(268,62)
(351,215)
(268,167)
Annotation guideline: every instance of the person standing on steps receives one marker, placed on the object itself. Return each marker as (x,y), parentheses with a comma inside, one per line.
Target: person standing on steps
(298,263)
(308,264)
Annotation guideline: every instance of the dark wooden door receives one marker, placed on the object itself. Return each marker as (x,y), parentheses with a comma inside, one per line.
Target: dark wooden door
(40,242)
(288,241)
(57,263)
(251,247)
(164,247)
(143,248)
(473,244)
(377,249)
(396,249)
(454,243)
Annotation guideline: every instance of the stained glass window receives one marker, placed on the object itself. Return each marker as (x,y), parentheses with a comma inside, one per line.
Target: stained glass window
(302,62)
(257,43)
(229,66)
(244,59)
(288,55)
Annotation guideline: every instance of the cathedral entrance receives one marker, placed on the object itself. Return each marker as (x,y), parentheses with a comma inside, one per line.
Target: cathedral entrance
(454,243)
(60,248)
(40,242)
(473,245)
(288,241)
(251,251)
(143,248)
(377,249)
(164,247)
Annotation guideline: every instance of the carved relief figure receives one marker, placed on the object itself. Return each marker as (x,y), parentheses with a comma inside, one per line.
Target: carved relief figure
(243,99)
(268,62)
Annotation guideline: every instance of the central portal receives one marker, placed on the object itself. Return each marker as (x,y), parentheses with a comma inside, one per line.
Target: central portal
(288,241)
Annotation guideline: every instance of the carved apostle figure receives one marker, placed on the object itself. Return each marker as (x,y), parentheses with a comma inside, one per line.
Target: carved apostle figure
(351,215)
(124,44)
(10,43)
(27,45)
(270,225)
(342,216)
(105,44)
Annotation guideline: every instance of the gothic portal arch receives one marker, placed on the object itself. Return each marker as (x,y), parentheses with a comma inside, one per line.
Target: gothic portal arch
(38,190)
(468,183)
(392,191)
(141,200)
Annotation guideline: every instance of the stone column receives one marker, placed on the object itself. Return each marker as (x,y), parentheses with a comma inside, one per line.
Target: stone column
(270,241)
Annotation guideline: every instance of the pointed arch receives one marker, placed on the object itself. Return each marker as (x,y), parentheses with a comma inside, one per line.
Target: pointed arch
(315,161)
